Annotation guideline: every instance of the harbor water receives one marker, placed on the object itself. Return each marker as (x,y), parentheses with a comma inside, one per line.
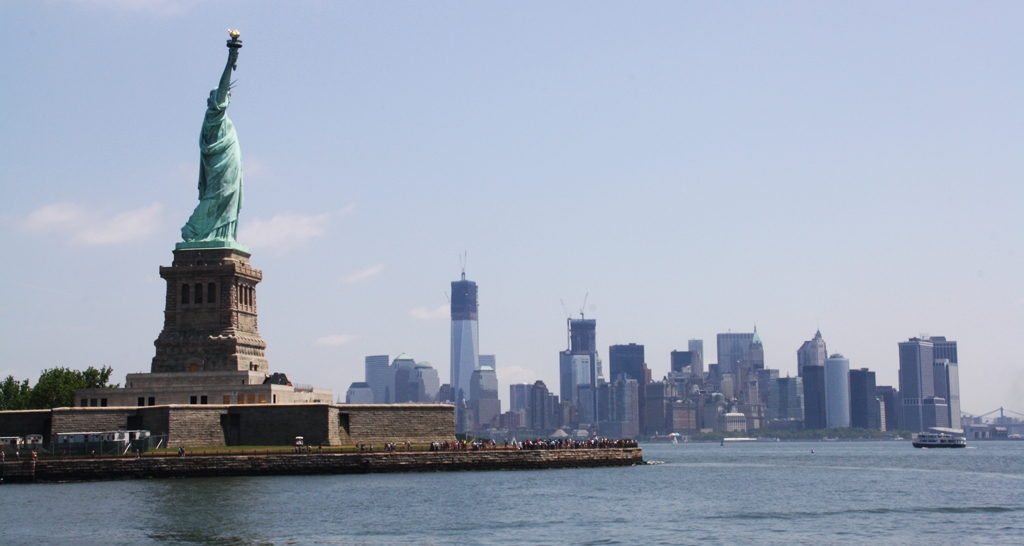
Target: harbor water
(739,493)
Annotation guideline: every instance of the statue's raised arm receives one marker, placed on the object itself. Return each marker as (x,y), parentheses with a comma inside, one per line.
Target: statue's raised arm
(214,223)
(225,79)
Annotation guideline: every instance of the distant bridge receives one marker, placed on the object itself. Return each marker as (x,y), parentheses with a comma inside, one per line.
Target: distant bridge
(1002,413)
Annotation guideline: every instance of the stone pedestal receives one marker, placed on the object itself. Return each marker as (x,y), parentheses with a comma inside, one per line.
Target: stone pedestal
(210,314)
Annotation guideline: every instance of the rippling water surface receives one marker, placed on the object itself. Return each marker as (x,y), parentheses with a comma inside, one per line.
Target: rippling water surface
(749,493)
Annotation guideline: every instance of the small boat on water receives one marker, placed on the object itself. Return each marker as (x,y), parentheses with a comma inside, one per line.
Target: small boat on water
(940,437)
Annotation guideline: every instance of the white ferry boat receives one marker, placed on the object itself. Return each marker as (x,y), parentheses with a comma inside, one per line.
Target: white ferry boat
(941,437)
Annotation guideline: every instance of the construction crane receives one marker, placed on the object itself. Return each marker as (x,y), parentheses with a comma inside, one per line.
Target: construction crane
(568,326)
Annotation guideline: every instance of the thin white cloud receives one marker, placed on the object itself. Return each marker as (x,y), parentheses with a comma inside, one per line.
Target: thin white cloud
(362,274)
(254,167)
(282,232)
(509,375)
(159,7)
(422,313)
(347,209)
(87,227)
(336,340)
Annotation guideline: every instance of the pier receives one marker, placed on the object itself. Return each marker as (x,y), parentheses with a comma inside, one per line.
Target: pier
(281,464)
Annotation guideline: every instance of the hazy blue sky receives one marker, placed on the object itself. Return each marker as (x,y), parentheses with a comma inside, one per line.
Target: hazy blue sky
(695,167)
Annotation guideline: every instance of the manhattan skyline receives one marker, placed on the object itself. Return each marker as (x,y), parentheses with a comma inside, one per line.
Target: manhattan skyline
(695,169)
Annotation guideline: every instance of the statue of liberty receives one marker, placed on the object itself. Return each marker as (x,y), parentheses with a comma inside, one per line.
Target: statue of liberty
(214,223)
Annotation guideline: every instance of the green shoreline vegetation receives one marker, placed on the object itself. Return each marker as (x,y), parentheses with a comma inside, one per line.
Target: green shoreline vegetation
(55,389)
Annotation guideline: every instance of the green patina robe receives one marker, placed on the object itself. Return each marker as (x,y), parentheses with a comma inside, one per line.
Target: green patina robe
(220,178)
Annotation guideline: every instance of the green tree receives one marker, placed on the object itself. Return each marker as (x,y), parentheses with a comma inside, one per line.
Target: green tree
(98,379)
(56,387)
(14,394)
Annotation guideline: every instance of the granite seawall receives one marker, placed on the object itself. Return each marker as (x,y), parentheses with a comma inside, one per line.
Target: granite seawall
(197,466)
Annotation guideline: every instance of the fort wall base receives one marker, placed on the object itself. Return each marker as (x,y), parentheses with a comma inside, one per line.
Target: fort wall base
(250,425)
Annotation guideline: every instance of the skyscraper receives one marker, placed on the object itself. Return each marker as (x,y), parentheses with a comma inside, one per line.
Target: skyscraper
(519,396)
(941,372)
(378,377)
(578,365)
(756,352)
(465,337)
(732,349)
(679,360)
(765,377)
(621,408)
(659,398)
(811,353)
(627,359)
(815,411)
(837,392)
(786,400)
(483,396)
(359,393)
(890,398)
(543,408)
(864,408)
(917,383)
(489,361)
(696,348)
(950,383)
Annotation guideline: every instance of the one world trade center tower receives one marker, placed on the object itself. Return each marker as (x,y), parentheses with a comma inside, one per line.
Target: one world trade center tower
(465,338)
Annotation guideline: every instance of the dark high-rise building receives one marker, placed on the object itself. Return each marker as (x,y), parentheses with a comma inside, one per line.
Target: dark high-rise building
(765,377)
(444,394)
(811,353)
(543,408)
(626,359)
(814,397)
(890,398)
(786,400)
(519,396)
(583,335)
(917,383)
(579,364)
(586,409)
(621,402)
(683,359)
(659,398)
(943,348)
(864,410)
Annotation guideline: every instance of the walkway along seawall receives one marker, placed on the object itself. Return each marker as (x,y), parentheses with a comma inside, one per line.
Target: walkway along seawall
(195,466)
